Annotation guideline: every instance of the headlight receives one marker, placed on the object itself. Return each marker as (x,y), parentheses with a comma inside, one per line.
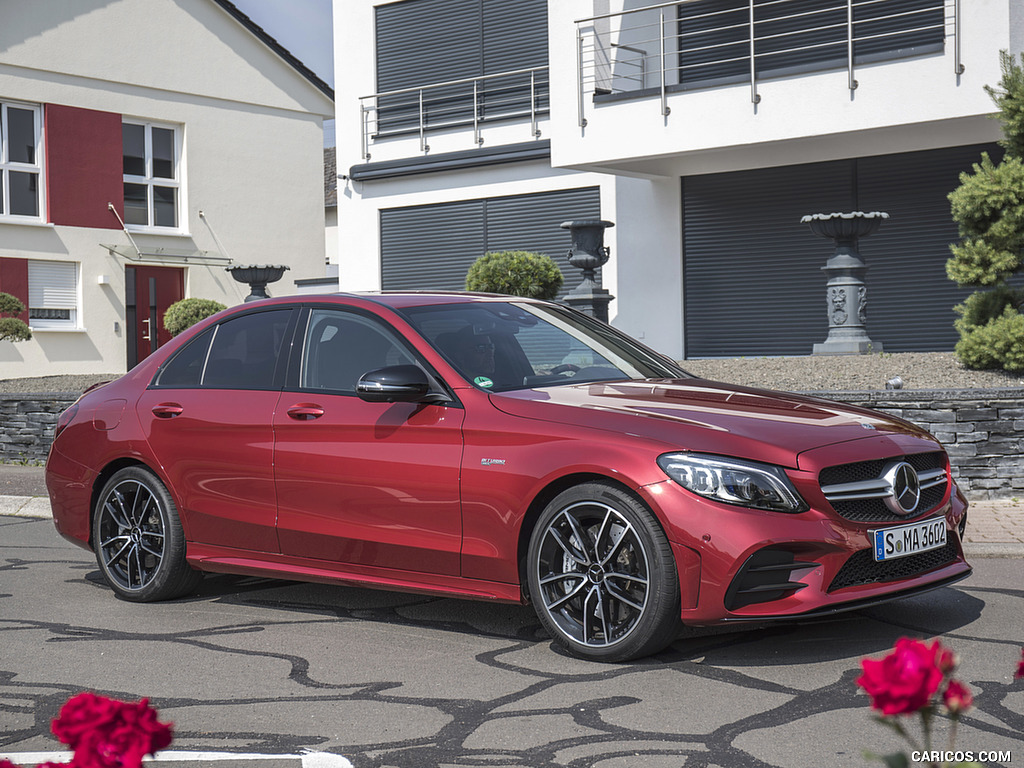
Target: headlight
(733,481)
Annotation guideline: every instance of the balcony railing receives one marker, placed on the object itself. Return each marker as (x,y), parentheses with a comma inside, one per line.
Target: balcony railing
(659,49)
(519,95)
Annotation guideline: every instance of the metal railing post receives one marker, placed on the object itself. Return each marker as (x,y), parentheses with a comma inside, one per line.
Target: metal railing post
(476,114)
(579,75)
(423,127)
(755,97)
(365,131)
(533,104)
(958,66)
(849,45)
(665,111)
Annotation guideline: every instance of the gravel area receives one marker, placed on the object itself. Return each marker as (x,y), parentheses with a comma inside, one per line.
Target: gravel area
(918,370)
(825,373)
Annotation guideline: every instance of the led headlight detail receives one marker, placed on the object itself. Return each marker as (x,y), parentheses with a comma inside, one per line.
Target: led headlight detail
(733,481)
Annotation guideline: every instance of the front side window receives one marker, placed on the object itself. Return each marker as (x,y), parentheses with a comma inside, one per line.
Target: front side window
(342,346)
(152,175)
(52,295)
(20,162)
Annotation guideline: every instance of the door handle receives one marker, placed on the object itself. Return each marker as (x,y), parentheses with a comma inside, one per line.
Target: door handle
(305,412)
(167,410)
(149,330)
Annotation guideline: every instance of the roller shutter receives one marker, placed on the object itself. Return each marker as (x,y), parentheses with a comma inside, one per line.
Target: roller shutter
(431,247)
(423,42)
(752,271)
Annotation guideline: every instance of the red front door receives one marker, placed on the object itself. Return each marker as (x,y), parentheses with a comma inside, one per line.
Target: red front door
(149,291)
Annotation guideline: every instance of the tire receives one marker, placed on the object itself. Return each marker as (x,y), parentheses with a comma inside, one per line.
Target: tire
(602,576)
(138,540)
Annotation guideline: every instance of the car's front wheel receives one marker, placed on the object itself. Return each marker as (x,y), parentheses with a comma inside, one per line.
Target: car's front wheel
(138,540)
(602,576)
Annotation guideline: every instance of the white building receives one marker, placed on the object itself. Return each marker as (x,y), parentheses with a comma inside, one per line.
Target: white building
(704,129)
(147,144)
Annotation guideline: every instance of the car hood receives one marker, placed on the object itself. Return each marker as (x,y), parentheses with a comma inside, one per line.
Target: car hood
(701,415)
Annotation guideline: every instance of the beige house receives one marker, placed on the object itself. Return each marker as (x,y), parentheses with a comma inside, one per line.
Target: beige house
(147,145)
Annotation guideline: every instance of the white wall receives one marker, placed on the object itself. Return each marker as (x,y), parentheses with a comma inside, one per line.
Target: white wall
(253,154)
(899,106)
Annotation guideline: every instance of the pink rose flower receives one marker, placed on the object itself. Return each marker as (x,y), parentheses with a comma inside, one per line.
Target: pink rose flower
(905,680)
(957,697)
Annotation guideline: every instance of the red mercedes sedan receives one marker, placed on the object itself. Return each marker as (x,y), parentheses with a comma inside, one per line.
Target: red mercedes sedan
(496,448)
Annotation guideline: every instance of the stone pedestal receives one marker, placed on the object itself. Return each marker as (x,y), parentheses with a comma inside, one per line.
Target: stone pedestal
(845,293)
(589,253)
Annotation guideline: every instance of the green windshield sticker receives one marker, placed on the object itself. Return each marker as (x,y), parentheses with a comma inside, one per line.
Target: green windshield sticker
(483,381)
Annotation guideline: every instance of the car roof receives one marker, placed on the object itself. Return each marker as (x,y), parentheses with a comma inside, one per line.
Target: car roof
(403,299)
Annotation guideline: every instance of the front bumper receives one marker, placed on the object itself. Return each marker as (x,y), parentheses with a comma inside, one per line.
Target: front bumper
(740,564)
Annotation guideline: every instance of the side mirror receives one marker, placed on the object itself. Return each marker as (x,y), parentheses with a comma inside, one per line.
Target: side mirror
(397,384)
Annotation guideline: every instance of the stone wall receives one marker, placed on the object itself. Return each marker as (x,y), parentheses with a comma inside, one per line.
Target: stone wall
(26,425)
(982,429)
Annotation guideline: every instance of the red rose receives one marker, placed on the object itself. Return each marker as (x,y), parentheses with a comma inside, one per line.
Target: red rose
(957,697)
(82,714)
(110,734)
(905,680)
(1020,667)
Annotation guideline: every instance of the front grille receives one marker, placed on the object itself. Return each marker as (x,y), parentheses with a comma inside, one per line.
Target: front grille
(875,510)
(861,568)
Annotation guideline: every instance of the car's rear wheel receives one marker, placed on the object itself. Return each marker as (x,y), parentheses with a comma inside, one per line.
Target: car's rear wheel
(138,540)
(601,574)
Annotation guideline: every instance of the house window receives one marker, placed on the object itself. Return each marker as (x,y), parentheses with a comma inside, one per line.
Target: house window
(20,162)
(152,180)
(52,294)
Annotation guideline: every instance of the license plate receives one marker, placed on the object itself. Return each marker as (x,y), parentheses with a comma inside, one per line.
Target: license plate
(903,540)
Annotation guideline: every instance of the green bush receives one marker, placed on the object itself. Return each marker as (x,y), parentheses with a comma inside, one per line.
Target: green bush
(187,312)
(999,343)
(515,273)
(988,208)
(11,328)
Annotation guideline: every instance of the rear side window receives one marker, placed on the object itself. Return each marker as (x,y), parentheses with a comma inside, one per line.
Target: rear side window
(240,353)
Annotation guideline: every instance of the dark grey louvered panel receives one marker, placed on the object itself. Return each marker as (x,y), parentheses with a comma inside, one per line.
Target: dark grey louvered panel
(753,282)
(424,42)
(420,42)
(531,223)
(714,35)
(432,246)
(752,278)
(910,299)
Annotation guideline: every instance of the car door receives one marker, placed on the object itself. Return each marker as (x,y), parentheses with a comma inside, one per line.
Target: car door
(209,422)
(366,484)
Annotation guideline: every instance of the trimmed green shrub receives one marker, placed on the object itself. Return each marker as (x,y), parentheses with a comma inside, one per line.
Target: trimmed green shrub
(988,208)
(999,343)
(187,312)
(515,273)
(11,328)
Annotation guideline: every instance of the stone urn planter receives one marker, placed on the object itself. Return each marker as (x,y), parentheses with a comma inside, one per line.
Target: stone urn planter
(846,294)
(589,253)
(257,276)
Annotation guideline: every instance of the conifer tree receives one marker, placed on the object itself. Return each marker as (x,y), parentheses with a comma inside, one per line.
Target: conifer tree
(988,208)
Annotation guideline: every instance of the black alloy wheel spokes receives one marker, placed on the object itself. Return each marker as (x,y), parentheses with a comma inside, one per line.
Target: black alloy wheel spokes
(131,534)
(593,573)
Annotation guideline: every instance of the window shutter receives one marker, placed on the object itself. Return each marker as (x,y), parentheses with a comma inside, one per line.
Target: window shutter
(83,167)
(52,285)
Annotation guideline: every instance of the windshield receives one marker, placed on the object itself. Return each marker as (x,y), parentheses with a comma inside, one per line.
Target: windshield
(506,346)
